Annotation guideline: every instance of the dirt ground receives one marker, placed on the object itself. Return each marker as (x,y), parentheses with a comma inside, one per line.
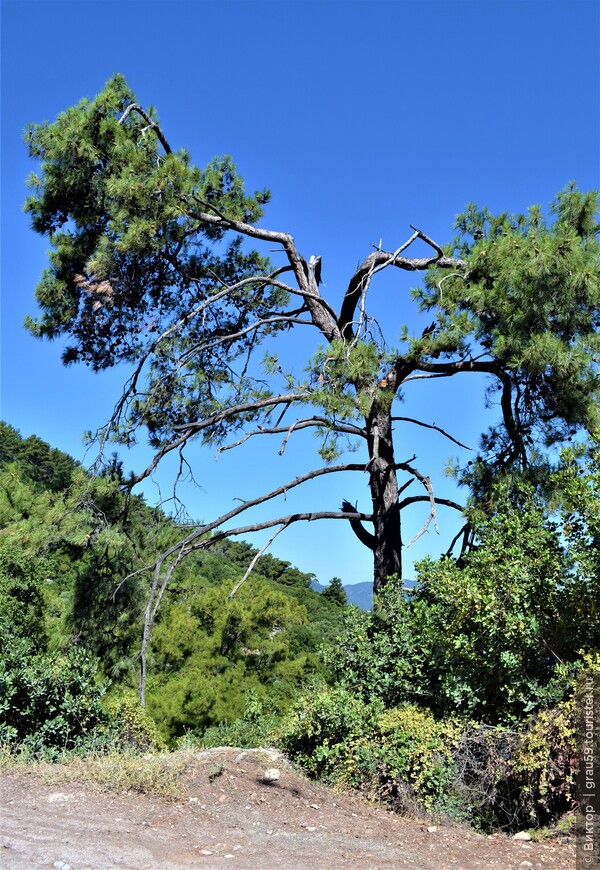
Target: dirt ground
(227,816)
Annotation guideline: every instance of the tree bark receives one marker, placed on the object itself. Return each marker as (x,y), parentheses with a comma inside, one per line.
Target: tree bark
(383,483)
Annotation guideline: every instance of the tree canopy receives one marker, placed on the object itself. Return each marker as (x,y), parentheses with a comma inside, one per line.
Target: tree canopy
(152,264)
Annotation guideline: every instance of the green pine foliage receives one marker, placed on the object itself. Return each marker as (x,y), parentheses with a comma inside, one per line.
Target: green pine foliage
(21,596)
(530,302)
(50,468)
(335,592)
(129,260)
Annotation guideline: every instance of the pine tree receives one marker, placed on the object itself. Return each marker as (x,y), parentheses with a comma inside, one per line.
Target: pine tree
(148,267)
(335,592)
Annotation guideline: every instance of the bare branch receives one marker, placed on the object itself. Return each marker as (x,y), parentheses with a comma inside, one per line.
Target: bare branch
(130,388)
(310,516)
(154,599)
(191,543)
(255,560)
(207,528)
(365,537)
(430,242)
(380,260)
(445,502)
(445,278)
(239,409)
(323,316)
(494,368)
(345,428)
(464,533)
(232,336)
(422,377)
(189,430)
(426,481)
(431,426)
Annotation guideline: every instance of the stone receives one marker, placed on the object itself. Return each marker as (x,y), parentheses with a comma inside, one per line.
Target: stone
(271,774)
(522,835)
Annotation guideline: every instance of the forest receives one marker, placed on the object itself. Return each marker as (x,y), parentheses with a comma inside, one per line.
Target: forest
(124,628)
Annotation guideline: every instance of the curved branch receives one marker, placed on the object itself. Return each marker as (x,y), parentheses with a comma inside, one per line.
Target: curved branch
(239,409)
(232,336)
(191,543)
(378,260)
(494,368)
(431,426)
(357,527)
(323,316)
(135,107)
(445,502)
(421,235)
(207,528)
(191,429)
(309,516)
(345,428)
(426,481)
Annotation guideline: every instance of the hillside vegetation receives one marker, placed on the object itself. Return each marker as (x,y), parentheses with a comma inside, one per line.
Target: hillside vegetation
(67,542)
(456,697)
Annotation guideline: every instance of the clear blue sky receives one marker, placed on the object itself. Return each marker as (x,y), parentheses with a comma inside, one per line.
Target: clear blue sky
(361,117)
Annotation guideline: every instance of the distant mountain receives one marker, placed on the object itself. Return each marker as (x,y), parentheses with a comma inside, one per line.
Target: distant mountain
(359,594)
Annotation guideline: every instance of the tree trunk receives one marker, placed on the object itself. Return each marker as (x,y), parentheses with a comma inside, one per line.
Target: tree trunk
(387,551)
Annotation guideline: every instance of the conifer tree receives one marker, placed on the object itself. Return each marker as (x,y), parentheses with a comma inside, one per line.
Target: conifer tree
(149,266)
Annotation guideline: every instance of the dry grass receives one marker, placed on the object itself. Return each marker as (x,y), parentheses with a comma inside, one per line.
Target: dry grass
(159,775)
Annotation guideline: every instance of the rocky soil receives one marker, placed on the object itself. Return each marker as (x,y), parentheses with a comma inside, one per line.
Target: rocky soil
(228,816)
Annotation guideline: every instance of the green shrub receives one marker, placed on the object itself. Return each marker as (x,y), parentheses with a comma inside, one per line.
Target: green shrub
(322,728)
(375,655)
(407,761)
(494,778)
(402,756)
(129,726)
(48,703)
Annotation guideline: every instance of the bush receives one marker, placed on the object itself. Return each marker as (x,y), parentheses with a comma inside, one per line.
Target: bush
(129,726)
(321,728)
(408,762)
(255,728)
(48,703)
(375,655)
(509,780)
(402,756)
(494,778)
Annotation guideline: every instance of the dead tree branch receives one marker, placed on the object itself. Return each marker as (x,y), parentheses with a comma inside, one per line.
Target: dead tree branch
(255,560)
(308,422)
(432,426)
(380,260)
